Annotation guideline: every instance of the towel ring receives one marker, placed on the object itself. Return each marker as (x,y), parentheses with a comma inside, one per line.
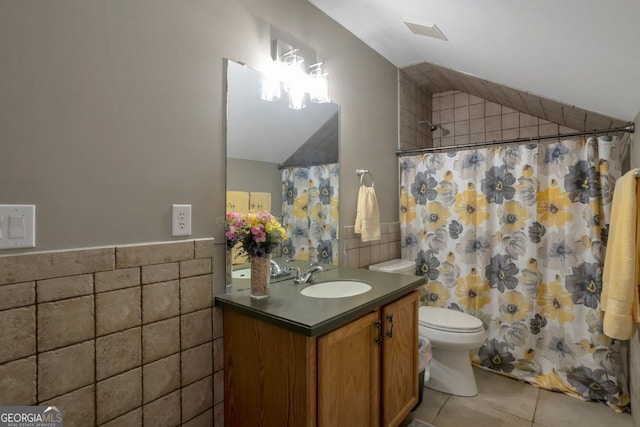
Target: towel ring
(362,173)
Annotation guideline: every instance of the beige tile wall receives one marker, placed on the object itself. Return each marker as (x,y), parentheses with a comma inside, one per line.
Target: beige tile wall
(415,105)
(465,119)
(359,254)
(116,336)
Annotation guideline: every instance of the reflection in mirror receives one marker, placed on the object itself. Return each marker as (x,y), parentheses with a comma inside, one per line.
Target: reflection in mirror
(285,162)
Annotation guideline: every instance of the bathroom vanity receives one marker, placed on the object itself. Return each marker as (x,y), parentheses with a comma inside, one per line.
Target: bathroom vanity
(293,360)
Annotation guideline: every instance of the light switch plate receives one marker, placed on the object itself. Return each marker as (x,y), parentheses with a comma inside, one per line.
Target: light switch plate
(17,226)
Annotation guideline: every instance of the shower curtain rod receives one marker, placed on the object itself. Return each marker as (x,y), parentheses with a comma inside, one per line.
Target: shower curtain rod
(630,128)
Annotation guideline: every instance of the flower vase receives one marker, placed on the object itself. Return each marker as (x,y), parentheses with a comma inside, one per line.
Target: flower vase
(260,276)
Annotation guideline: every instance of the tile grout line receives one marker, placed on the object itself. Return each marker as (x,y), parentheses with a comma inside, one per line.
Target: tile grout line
(535,409)
(441,407)
(141,348)
(180,332)
(37,353)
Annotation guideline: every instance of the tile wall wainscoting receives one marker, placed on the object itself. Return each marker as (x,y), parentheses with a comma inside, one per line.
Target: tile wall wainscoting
(359,254)
(117,336)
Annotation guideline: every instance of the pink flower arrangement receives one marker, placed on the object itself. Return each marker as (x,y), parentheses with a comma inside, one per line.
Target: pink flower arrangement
(258,233)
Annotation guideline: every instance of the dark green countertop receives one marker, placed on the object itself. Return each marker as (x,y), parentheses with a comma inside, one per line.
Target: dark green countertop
(287,308)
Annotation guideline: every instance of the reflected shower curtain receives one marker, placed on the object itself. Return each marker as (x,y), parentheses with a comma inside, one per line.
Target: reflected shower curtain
(516,236)
(310,213)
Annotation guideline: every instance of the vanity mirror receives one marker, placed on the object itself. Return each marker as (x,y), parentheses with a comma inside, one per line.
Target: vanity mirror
(284,161)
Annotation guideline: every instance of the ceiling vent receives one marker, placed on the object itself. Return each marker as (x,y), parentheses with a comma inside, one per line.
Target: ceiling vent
(427,30)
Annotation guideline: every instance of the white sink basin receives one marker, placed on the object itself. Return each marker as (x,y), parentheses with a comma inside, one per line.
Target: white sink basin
(336,289)
(241,273)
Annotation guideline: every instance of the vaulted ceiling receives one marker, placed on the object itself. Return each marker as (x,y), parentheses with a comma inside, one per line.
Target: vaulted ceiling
(573,62)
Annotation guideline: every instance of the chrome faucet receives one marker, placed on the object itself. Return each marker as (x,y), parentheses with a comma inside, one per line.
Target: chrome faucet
(275,268)
(308,275)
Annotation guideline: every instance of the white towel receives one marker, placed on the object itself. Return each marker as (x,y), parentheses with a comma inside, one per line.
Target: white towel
(367,214)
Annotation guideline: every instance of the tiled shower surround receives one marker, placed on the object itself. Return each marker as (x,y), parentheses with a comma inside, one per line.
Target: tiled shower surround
(467,119)
(462,119)
(415,105)
(117,336)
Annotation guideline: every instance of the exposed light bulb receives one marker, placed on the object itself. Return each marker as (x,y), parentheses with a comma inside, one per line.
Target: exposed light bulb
(271,83)
(295,79)
(319,88)
(296,97)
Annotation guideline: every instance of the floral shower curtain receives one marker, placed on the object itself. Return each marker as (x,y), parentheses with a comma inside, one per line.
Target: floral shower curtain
(310,213)
(516,236)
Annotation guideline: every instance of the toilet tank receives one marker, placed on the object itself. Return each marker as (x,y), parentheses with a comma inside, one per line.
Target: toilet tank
(399,266)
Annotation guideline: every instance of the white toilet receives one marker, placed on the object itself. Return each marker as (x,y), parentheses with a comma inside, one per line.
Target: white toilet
(452,335)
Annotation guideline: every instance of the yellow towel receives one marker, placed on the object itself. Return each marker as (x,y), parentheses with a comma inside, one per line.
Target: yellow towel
(260,202)
(237,201)
(367,214)
(619,299)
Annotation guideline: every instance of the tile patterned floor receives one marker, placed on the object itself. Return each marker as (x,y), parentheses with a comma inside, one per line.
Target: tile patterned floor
(504,402)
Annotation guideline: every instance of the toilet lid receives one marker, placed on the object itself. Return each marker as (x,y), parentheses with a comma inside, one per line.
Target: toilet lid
(443,319)
(395,266)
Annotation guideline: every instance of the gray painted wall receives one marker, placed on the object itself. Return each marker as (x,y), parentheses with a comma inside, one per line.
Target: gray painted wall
(263,177)
(110,111)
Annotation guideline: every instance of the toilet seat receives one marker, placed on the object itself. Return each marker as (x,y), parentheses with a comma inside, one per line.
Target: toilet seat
(446,320)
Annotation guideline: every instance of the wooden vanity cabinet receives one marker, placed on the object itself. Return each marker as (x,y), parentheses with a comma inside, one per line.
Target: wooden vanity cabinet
(364,373)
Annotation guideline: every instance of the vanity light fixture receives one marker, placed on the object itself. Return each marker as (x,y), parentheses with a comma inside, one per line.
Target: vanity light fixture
(294,79)
(271,90)
(320,86)
(287,72)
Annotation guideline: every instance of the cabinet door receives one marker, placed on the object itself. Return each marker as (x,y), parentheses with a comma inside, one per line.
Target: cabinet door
(269,374)
(399,359)
(349,375)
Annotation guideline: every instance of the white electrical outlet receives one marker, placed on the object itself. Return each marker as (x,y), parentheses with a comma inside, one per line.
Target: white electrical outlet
(181,220)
